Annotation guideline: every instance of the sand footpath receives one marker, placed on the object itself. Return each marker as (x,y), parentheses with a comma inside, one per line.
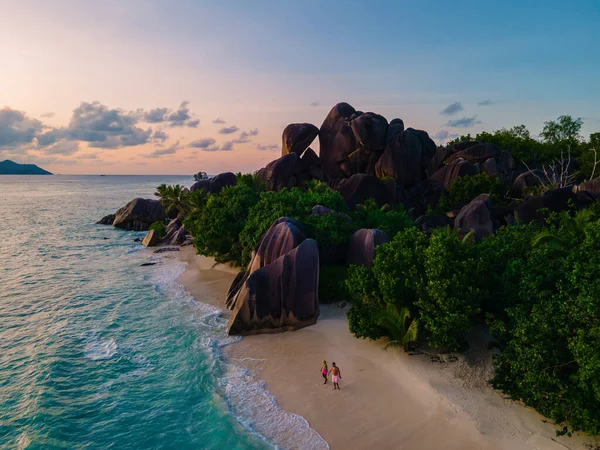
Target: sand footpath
(388,399)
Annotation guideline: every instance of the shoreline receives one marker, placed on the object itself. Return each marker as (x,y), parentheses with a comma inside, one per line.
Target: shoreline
(388,399)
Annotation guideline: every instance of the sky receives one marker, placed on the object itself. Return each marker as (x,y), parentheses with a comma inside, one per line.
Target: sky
(177,87)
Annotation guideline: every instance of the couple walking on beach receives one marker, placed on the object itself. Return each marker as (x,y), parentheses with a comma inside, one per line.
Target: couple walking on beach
(336,375)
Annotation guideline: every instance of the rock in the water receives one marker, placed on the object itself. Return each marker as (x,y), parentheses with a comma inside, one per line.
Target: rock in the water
(297,137)
(370,130)
(281,296)
(475,217)
(361,250)
(137,240)
(151,239)
(167,249)
(147,264)
(447,174)
(139,214)
(401,159)
(361,187)
(337,141)
(107,220)
(279,174)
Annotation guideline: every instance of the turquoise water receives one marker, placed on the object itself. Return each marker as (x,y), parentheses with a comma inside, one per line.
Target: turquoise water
(97,352)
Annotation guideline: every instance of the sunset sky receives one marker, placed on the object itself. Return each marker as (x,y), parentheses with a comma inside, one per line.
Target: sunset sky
(175,87)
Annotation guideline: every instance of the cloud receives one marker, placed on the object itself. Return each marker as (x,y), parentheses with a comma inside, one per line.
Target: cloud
(465,122)
(165,151)
(202,143)
(219,120)
(314,104)
(62,148)
(178,118)
(88,156)
(267,147)
(47,115)
(100,127)
(227,146)
(17,129)
(157,115)
(487,102)
(452,109)
(245,136)
(443,135)
(228,130)
(159,136)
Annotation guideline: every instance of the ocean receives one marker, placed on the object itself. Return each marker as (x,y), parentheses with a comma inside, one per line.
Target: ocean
(98,352)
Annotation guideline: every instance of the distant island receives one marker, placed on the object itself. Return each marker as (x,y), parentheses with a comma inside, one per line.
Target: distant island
(9,167)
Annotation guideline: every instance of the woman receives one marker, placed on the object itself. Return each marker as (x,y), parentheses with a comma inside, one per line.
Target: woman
(324,371)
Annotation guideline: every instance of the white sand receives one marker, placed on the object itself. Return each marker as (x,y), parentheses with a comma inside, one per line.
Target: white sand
(388,400)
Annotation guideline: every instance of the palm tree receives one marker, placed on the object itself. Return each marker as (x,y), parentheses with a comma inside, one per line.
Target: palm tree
(401,330)
(568,225)
(195,201)
(172,198)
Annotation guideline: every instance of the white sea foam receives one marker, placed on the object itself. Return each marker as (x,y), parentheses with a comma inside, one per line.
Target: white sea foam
(246,397)
(98,349)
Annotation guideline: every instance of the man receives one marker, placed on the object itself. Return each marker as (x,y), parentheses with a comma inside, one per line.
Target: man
(336,376)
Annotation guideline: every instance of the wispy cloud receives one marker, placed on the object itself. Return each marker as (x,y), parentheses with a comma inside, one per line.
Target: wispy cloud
(443,135)
(219,120)
(486,102)
(267,147)
(465,122)
(202,143)
(47,115)
(178,118)
(165,151)
(452,109)
(227,146)
(228,130)
(314,104)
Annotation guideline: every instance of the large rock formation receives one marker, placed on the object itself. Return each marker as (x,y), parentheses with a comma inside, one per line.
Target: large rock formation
(107,220)
(477,153)
(401,159)
(361,250)
(337,141)
(176,234)
(151,239)
(280,173)
(297,137)
(280,296)
(216,183)
(525,180)
(554,200)
(139,214)
(592,187)
(475,217)
(448,173)
(361,187)
(283,235)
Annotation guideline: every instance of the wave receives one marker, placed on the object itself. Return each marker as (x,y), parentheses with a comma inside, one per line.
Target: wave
(244,397)
(98,348)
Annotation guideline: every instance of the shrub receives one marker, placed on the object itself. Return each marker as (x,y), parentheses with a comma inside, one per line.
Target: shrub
(294,203)
(217,231)
(452,298)
(464,189)
(363,293)
(389,220)
(160,227)
(332,287)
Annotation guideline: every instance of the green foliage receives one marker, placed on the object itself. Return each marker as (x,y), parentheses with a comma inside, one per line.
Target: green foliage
(294,203)
(217,231)
(389,220)
(452,299)
(550,339)
(563,129)
(159,227)
(400,329)
(172,198)
(200,176)
(332,233)
(465,189)
(194,202)
(363,293)
(332,287)
(399,268)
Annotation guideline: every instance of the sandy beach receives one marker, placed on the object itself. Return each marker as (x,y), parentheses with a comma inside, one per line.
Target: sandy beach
(388,399)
